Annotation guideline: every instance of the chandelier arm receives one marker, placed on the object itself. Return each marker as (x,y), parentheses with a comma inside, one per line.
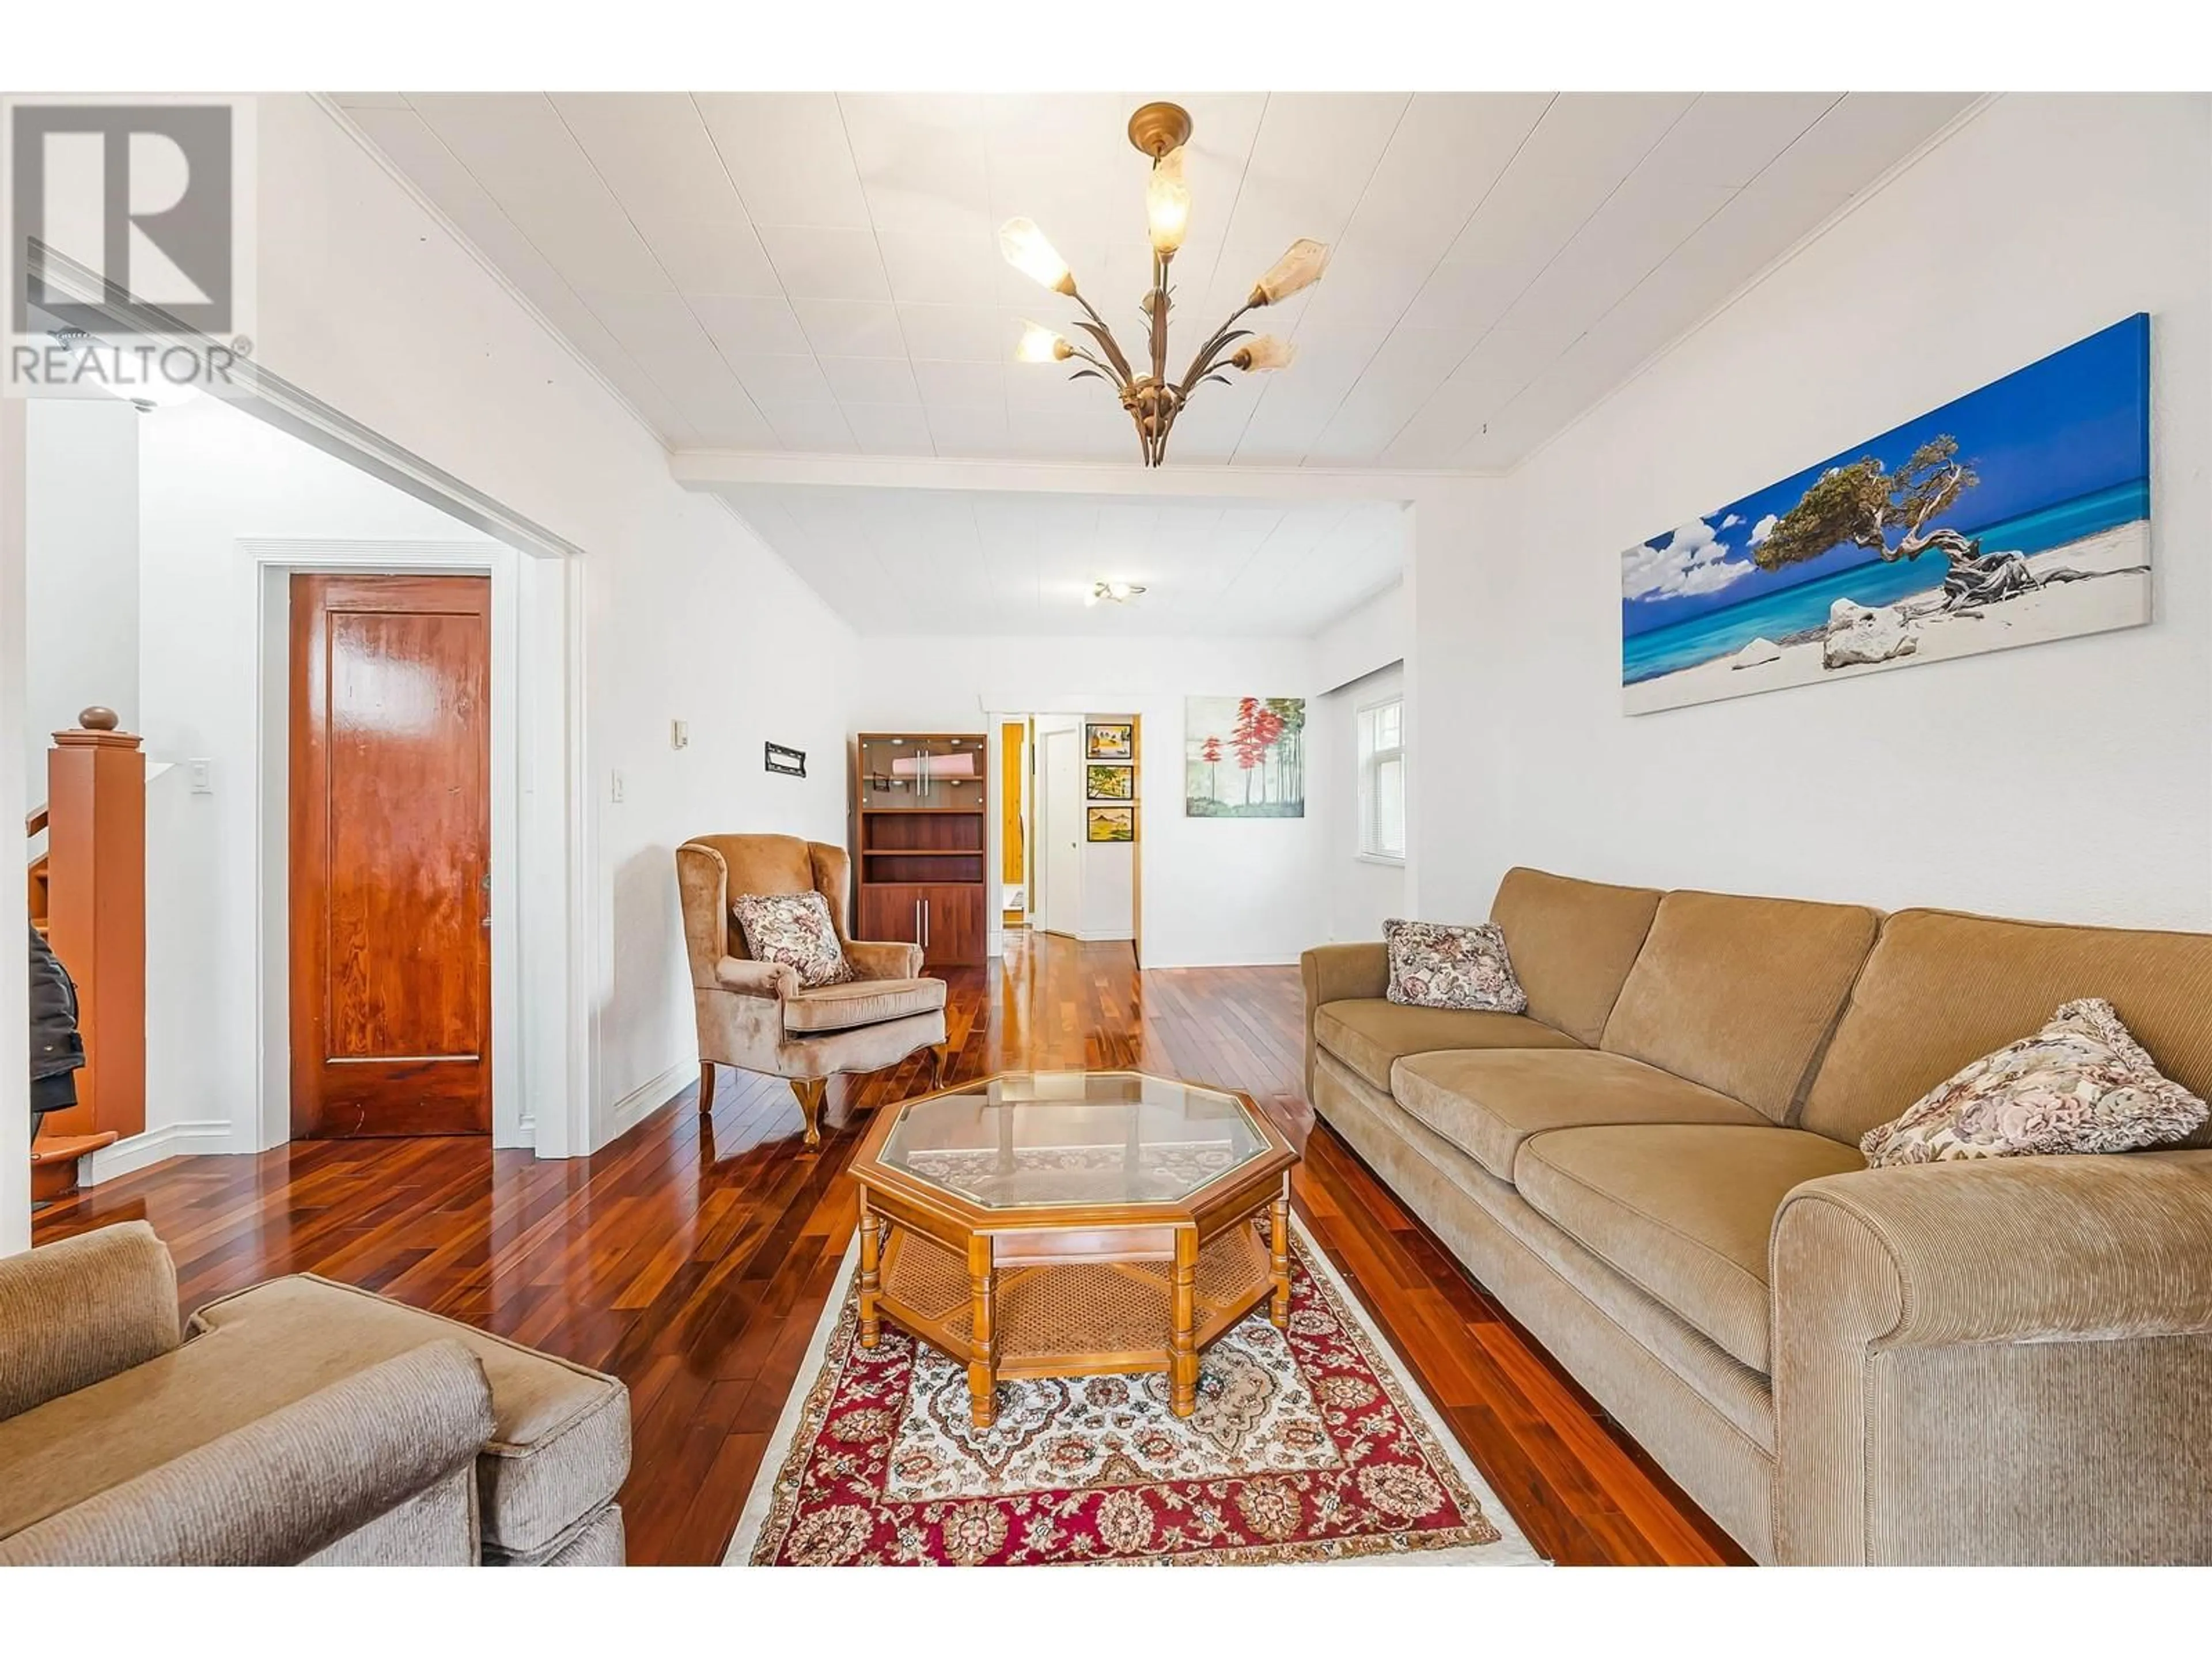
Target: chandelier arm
(1158,316)
(1098,331)
(1202,363)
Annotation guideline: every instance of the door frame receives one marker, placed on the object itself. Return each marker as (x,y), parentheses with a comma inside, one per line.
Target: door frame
(530,922)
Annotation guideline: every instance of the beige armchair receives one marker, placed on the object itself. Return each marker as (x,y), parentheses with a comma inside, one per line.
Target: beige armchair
(755,1017)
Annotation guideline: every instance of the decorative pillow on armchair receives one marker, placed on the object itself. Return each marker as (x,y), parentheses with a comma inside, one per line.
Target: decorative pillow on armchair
(1434,965)
(2082,1083)
(795,930)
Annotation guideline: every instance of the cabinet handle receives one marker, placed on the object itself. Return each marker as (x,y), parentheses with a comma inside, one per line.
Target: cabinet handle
(917,922)
(925,924)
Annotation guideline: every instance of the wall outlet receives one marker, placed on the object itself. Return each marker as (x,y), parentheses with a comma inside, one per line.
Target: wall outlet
(615,792)
(202,774)
(679,734)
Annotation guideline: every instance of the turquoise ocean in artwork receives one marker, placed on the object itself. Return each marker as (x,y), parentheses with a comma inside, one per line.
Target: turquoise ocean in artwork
(1788,611)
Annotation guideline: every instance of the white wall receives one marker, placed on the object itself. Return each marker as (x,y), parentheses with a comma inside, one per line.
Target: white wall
(1363,893)
(81,568)
(2070,780)
(370,303)
(1216,892)
(1361,659)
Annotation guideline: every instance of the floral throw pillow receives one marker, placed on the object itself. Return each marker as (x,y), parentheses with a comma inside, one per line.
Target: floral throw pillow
(1436,964)
(2082,1083)
(794,929)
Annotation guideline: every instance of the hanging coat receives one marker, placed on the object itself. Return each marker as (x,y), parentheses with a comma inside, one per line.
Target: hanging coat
(57,1049)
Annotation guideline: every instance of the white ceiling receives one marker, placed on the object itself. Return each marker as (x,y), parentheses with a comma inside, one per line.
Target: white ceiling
(818,272)
(974,561)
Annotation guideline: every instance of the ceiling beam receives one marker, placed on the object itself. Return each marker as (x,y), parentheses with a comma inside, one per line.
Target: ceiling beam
(708,469)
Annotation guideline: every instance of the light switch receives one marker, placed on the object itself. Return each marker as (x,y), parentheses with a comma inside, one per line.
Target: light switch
(616,794)
(202,774)
(679,734)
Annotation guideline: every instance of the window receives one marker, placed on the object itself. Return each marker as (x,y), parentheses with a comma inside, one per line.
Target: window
(1382,780)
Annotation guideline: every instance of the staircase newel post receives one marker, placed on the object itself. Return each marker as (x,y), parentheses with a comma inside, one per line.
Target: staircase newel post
(96,912)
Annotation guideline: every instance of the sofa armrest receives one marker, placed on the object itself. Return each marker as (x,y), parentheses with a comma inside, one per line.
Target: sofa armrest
(777,980)
(1957,1346)
(884,958)
(76,1312)
(1340,973)
(278,1490)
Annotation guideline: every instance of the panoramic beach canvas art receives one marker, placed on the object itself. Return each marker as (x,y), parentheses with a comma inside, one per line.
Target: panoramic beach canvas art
(1244,757)
(2017,514)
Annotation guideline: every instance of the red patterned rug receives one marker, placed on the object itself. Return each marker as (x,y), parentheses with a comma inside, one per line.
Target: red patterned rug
(1309,1444)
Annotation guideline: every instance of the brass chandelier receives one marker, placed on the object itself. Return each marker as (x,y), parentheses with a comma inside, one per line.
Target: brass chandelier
(1153,400)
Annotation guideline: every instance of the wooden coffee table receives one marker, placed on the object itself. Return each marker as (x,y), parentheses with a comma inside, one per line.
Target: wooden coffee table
(1063,1223)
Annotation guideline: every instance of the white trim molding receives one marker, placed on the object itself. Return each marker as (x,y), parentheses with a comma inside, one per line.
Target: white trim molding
(141,1152)
(648,1097)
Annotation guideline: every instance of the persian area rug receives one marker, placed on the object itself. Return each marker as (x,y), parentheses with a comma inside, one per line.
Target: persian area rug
(1309,1444)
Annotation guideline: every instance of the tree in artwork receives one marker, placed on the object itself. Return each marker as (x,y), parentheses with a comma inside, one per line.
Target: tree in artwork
(1263,738)
(1893,516)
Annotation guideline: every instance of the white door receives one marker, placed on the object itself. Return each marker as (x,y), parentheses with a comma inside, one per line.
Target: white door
(1059,831)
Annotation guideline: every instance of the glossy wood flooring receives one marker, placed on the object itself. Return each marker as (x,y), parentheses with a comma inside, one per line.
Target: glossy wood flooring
(692,1258)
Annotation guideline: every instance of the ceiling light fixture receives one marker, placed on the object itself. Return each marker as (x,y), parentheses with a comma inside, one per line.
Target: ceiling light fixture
(1161,132)
(1113,592)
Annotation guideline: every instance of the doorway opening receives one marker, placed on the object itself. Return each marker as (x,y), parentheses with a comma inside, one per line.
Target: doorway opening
(1079,825)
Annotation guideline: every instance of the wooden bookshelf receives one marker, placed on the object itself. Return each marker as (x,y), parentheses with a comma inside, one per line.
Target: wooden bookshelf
(920,802)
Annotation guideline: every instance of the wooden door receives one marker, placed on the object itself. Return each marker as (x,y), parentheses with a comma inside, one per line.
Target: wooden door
(390,855)
(1058,864)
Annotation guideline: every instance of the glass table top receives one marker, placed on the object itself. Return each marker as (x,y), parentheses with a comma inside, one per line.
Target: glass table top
(1046,1139)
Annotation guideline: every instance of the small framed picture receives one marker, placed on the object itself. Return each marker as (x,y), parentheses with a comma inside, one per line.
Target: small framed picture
(1110,782)
(1109,740)
(1110,824)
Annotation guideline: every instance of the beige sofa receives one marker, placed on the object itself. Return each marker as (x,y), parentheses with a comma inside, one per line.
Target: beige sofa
(1656,1169)
(301,1421)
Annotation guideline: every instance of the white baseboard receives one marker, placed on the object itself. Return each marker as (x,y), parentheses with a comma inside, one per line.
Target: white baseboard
(1109,937)
(642,1102)
(140,1151)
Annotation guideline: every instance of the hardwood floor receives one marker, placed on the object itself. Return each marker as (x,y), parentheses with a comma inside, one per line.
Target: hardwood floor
(692,1257)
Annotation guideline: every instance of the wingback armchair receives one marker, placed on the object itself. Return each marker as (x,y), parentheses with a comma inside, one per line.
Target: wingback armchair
(756,1016)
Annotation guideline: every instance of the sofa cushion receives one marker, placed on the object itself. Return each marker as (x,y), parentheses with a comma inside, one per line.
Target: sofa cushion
(560,1446)
(794,929)
(1369,1034)
(1942,989)
(1487,1102)
(1683,1210)
(1741,993)
(1572,944)
(1443,964)
(2081,1084)
(860,1002)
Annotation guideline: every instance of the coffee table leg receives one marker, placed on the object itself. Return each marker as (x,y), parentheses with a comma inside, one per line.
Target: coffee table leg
(1182,1356)
(1278,1250)
(982,1357)
(870,1280)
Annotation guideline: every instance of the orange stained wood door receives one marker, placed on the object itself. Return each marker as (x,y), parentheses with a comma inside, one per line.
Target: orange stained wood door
(390,855)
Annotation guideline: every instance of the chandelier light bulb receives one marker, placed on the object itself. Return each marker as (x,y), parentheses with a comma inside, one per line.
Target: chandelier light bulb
(1027,252)
(1258,356)
(1167,203)
(1039,344)
(1298,268)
